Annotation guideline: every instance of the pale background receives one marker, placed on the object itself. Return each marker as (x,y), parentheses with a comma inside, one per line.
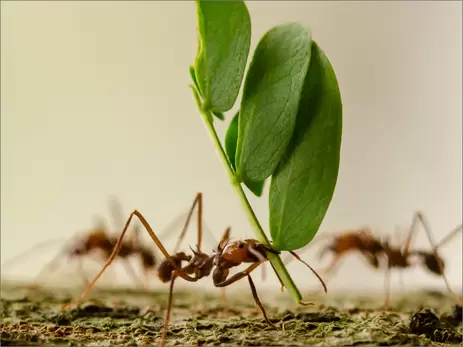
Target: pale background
(95,102)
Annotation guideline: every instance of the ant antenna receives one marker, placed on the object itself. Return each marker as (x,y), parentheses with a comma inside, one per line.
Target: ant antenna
(197,201)
(116,211)
(313,271)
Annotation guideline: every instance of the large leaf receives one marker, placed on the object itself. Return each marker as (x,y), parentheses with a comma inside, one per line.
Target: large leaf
(223,47)
(271,95)
(231,138)
(303,184)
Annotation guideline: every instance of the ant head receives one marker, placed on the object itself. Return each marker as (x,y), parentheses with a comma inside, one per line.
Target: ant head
(237,251)
(433,262)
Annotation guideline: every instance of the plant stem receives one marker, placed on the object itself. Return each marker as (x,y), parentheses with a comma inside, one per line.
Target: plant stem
(273,258)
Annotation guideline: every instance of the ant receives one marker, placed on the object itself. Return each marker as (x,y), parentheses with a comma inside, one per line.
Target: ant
(372,248)
(226,256)
(98,238)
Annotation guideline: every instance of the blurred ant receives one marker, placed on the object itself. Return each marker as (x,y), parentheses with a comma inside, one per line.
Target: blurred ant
(372,248)
(99,238)
(226,256)
(400,258)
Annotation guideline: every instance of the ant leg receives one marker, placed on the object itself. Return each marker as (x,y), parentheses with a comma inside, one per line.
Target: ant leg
(329,275)
(223,295)
(198,200)
(136,237)
(169,308)
(397,239)
(304,303)
(117,249)
(80,267)
(311,269)
(28,252)
(239,275)
(117,216)
(257,300)
(175,274)
(263,273)
(420,217)
(333,264)
(224,240)
(131,272)
(53,263)
(401,279)
(450,235)
(48,268)
(323,251)
(282,286)
(387,288)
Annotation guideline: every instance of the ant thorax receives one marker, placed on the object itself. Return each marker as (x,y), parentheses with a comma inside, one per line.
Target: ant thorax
(241,251)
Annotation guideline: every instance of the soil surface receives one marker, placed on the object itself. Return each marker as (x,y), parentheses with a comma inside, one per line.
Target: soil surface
(130,318)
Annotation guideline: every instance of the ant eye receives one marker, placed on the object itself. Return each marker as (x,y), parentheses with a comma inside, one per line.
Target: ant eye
(241,245)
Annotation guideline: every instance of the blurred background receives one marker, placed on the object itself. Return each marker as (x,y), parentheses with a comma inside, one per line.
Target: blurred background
(95,103)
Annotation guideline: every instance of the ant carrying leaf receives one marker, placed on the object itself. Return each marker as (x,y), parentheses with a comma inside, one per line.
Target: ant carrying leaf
(288,127)
(199,265)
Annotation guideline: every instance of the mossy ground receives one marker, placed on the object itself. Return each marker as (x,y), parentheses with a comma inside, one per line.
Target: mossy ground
(129,318)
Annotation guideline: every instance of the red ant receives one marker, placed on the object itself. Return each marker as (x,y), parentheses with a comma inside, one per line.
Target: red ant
(98,238)
(362,240)
(226,256)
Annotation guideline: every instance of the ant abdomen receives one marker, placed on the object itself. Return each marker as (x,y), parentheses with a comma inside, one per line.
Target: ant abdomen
(433,263)
(148,260)
(165,271)
(165,268)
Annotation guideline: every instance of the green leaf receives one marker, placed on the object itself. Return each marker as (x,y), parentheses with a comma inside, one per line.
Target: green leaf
(256,187)
(231,138)
(193,78)
(219,115)
(303,184)
(271,95)
(223,47)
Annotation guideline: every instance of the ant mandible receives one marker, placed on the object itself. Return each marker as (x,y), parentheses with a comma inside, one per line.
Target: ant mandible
(226,256)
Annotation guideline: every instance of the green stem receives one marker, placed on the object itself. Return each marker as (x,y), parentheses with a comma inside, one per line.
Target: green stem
(273,258)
